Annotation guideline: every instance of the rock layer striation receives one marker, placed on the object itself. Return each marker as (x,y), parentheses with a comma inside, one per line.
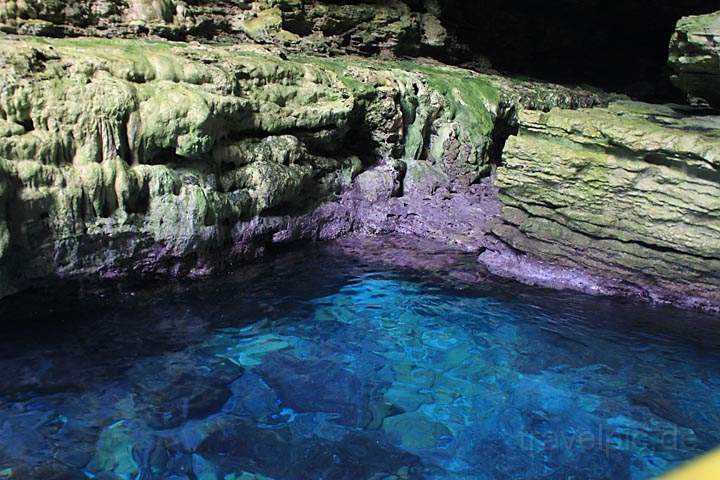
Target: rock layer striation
(630,193)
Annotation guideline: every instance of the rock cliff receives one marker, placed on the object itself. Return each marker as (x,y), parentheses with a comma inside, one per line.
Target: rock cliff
(629,192)
(124,156)
(178,138)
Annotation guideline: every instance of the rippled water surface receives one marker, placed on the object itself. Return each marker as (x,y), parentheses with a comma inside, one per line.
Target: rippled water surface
(331,363)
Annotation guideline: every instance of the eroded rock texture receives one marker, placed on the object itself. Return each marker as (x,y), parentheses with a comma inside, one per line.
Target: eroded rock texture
(271,121)
(388,27)
(695,57)
(129,155)
(630,192)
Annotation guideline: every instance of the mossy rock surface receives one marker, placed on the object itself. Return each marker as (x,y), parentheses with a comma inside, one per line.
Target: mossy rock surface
(695,57)
(631,191)
(154,156)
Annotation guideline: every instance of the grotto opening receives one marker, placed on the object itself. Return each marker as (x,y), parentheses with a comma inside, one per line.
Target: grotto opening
(381,239)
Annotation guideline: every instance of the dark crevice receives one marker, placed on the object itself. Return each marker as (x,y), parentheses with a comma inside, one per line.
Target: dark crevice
(506,125)
(166,157)
(311,137)
(107,209)
(140,202)
(689,170)
(666,160)
(27,124)
(82,206)
(125,151)
(652,246)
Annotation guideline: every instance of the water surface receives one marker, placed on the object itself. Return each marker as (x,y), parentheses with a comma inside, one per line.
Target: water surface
(333,362)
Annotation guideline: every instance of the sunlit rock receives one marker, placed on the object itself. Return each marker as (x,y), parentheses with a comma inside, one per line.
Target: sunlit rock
(695,57)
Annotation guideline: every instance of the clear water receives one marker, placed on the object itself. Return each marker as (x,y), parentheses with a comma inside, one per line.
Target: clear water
(321,365)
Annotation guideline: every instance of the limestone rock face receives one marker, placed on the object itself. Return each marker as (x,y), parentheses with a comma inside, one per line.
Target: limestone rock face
(695,57)
(630,192)
(388,27)
(138,156)
(362,27)
(294,119)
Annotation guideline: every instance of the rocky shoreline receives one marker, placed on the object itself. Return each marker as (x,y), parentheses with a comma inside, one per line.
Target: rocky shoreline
(135,156)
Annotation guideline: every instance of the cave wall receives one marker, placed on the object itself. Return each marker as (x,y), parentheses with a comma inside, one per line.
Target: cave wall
(273,121)
(619,46)
(629,192)
(139,156)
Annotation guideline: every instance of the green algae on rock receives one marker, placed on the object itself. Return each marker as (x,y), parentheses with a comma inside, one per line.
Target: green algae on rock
(695,56)
(630,192)
(448,114)
(131,155)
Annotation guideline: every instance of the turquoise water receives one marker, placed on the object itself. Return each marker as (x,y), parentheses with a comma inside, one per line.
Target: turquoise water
(320,365)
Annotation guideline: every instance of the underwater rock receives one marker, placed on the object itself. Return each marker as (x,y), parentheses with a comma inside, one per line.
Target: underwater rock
(252,397)
(695,57)
(330,388)
(184,390)
(115,451)
(629,193)
(415,431)
(203,469)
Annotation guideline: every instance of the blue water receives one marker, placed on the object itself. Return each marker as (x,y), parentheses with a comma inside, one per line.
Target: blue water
(325,364)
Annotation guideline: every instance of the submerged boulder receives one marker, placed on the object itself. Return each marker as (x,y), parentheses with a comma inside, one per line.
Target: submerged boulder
(695,57)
